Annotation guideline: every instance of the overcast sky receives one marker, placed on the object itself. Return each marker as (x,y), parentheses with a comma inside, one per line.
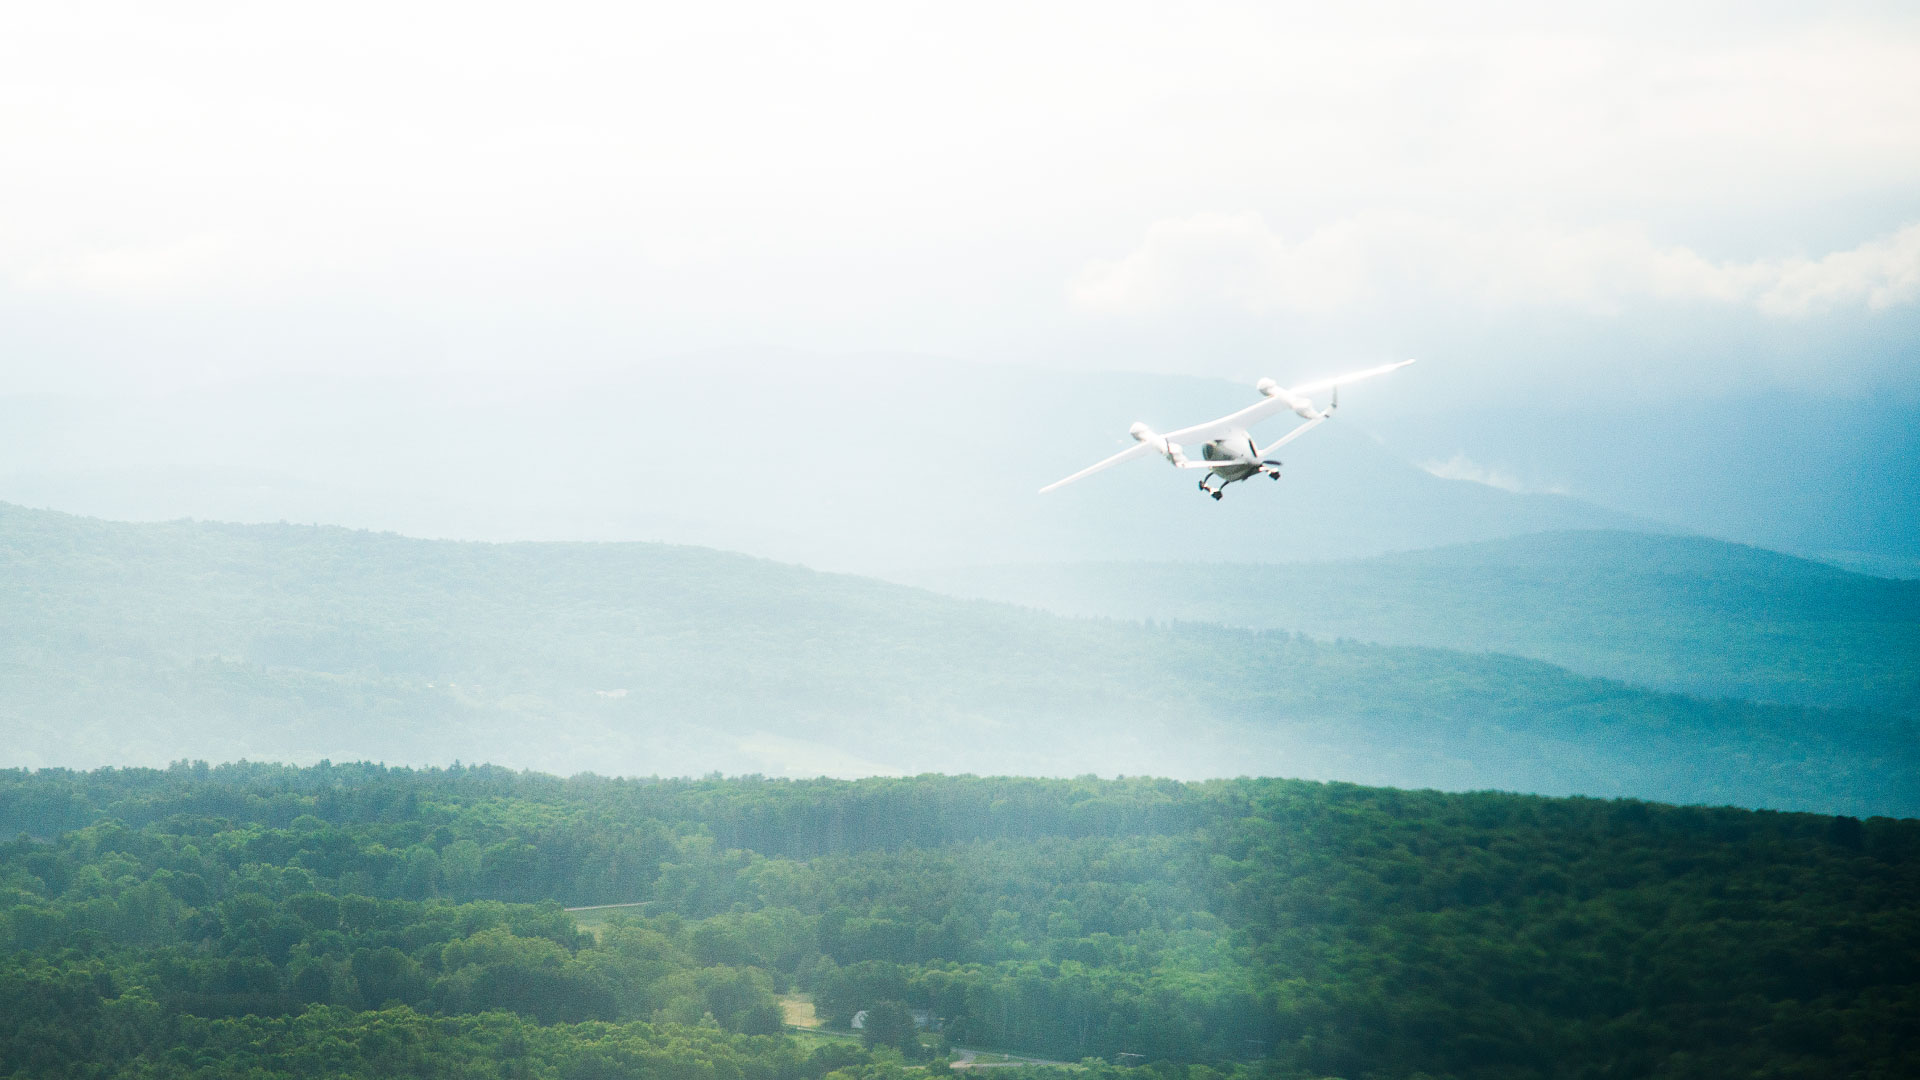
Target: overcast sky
(1706,195)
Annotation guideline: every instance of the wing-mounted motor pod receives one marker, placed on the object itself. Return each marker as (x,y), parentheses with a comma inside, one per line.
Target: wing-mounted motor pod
(1143,434)
(1302,406)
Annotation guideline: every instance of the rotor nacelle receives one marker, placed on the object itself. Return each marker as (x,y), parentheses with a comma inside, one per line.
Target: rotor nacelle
(1302,406)
(1144,434)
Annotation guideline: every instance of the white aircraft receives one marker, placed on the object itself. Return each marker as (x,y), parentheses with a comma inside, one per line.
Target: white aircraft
(1228,452)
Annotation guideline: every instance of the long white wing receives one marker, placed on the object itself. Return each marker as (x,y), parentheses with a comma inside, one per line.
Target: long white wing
(1342,380)
(1213,429)
(1292,435)
(1279,403)
(1131,452)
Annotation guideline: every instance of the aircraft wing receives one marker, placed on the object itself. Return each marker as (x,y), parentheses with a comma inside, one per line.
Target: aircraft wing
(1213,429)
(1279,403)
(1131,452)
(1342,380)
(1292,435)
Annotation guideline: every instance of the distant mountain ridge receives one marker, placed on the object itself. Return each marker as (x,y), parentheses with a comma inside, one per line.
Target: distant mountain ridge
(124,643)
(862,468)
(1678,613)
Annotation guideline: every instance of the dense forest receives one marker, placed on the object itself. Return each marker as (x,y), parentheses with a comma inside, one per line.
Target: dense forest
(260,920)
(138,644)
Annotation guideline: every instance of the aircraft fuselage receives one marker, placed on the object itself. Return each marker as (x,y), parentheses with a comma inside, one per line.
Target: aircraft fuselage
(1237,453)
(1239,459)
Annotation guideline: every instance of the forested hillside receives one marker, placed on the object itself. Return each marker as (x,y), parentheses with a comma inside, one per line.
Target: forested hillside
(142,643)
(358,920)
(1679,613)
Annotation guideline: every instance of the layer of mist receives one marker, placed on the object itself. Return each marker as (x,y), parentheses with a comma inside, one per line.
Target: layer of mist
(1677,613)
(145,643)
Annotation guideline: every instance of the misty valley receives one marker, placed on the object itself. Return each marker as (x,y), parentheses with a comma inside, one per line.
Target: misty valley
(148,643)
(169,918)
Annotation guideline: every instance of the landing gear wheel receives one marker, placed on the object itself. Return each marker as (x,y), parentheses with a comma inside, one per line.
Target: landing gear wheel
(1216,495)
(1276,476)
(1202,485)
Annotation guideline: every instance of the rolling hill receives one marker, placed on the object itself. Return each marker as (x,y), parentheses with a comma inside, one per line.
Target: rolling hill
(143,643)
(1679,613)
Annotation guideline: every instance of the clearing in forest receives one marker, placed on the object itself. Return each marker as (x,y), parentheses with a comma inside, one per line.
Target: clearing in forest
(798,1011)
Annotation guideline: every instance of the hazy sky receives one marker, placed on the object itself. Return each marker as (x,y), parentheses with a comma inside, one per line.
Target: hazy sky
(1706,195)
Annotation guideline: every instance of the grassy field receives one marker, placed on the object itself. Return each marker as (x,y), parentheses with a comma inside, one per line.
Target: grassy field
(798,1010)
(594,919)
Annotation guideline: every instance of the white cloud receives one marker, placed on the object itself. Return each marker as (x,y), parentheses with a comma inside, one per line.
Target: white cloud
(1462,467)
(1239,261)
(136,271)
(858,176)
(1883,273)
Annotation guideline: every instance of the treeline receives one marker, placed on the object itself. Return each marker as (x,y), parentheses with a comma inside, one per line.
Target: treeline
(788,818)
(1295,928)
